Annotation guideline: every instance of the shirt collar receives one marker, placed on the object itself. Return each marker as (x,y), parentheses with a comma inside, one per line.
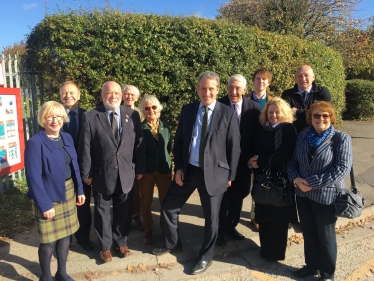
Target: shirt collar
(267,124)
(256,98)
(308,90)
(211,106)
(109,111)
(238,103)
(68,110)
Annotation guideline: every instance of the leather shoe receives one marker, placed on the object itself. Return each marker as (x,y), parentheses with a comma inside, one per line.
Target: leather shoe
(105,256)
(200,267)
(235,234)
(163,251)
(305,271)
(221,240)
(122,251)
(86,245)
(325,279)
(58,277)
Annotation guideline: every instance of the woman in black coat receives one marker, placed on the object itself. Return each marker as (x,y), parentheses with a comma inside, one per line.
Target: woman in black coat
(275,136)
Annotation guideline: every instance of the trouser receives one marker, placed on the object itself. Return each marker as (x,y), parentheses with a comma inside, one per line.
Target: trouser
(318,225)
(84,216)
(174,201)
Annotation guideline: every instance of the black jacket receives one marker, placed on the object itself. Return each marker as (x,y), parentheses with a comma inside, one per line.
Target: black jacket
(295,99)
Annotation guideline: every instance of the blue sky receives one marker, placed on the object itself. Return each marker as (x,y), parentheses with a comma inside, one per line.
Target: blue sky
(18,17)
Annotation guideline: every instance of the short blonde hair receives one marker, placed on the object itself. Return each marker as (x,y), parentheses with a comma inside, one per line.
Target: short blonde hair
(150,99)
(284,108)
(50,108)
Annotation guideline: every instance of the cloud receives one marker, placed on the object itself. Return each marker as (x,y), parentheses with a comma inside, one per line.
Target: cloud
(29,6)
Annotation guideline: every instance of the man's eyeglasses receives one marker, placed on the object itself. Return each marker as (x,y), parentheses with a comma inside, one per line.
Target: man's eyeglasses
(50,118)
(318,116)
(148,108)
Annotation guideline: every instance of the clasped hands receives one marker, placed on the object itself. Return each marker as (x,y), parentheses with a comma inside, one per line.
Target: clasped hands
(302,184)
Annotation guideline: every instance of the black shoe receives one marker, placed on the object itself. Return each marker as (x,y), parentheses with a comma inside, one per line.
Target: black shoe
(163,251)
(221,240)
(59,278)
(325,279)
(235,234)
(200,267)
(87,245)
(304,272)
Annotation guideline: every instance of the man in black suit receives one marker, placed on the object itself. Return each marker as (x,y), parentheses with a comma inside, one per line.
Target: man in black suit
(70,95)
(304,94)
(247,112)
(111,155)
(206,153)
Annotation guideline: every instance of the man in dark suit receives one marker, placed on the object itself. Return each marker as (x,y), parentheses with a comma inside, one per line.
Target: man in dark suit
(206,153)
(247,113)
(111,155)
(304,94)
(70,95)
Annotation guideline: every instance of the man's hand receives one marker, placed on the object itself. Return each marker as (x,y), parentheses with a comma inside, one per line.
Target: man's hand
(50,213)
(81,199)
(302,184)
(179,177)
(88,181)
(138,176)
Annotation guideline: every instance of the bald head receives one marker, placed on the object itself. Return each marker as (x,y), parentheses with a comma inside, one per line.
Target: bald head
(304,77)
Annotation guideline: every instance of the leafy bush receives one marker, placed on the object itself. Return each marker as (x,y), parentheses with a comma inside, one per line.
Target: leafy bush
(359,95)
(164,55)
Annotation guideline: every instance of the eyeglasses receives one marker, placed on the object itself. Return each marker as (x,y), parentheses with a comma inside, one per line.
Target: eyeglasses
(148,108)
(50,118)
(318,116)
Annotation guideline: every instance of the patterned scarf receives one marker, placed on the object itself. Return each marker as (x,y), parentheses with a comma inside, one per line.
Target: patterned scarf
(314,139)
(278,133)
(154,129)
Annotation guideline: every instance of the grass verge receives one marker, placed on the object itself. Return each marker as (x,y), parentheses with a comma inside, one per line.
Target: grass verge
(15,211)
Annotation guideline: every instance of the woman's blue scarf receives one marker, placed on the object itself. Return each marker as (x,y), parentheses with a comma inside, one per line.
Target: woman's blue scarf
(314,139)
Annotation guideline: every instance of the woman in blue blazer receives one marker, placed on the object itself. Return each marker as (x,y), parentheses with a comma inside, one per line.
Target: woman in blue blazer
(317,166)
(53,178)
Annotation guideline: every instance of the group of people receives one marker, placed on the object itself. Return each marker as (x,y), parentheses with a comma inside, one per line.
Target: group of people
(122,152)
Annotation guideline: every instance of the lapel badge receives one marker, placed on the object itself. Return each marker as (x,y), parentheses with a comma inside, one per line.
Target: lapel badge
(127,116)
(126,120)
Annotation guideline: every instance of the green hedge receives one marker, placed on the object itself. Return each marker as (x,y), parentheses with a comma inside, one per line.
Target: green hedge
(359,95)
(163,55)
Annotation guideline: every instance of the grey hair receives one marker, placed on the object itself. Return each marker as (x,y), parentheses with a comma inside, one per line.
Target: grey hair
(238,77)
(132,87)
(151,99)
(104,85)
(209,75)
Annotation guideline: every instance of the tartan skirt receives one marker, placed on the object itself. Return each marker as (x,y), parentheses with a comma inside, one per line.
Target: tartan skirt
(64,223)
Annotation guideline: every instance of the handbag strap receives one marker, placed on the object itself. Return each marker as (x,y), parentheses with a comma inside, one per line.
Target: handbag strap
(351,174)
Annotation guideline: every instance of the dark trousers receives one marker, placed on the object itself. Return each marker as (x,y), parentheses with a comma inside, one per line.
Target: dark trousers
(318,225)
(116,232)
(136,201)
(84,216)
(230,210)
(174,201)
(273,239)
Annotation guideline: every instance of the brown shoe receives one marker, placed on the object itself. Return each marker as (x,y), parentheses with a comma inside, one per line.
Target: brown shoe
(255,224)
(147,239)
(105,256)
(122,251)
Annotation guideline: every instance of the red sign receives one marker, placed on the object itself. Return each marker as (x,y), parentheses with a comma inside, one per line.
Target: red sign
(12,142)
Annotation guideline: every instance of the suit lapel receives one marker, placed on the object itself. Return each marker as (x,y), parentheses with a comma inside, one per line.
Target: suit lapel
(321,150)
(191,121)
(126,121)
(215,117)
(103,118)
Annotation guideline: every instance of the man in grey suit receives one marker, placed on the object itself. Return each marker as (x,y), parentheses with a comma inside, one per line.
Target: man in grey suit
(206,153)
(111,156)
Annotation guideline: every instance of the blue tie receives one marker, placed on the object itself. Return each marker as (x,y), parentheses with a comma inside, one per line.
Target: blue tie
(73,126)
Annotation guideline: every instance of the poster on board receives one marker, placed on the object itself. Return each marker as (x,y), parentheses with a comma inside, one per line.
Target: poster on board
(11,131)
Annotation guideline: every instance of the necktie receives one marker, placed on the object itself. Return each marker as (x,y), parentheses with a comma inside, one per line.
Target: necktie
(204,134)
(73,126)
(114,126)
(305,93)
(236,108)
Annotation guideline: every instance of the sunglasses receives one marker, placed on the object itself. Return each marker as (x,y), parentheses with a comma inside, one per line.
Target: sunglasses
(318,116)
(148,108)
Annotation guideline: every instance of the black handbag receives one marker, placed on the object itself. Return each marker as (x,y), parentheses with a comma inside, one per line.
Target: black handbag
(273,189)
(349,204)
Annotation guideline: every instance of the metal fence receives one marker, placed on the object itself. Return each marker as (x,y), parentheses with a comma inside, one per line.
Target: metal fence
(17,75)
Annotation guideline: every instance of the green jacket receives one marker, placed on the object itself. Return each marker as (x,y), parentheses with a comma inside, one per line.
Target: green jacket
(157,151)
